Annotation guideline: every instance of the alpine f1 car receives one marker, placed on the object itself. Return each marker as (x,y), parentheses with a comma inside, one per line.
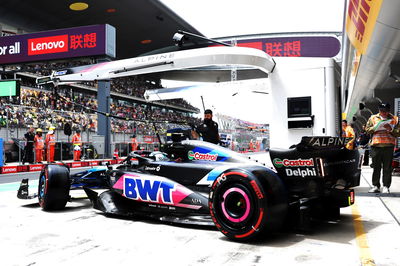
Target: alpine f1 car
(202,183)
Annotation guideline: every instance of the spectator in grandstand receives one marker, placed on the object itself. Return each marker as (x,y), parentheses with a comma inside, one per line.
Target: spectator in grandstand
(39,145)
(50,144)
(208,130)
(28,151)
(77,143)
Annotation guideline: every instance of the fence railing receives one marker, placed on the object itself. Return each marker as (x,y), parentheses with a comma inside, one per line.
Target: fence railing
(15,151)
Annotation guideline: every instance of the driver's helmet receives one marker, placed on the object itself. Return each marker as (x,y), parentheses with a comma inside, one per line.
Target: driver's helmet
(158,156)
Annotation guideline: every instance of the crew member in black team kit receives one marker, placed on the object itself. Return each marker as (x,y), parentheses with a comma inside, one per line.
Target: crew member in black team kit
(208,130)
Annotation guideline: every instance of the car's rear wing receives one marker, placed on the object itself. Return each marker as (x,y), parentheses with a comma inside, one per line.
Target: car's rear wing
(322,142)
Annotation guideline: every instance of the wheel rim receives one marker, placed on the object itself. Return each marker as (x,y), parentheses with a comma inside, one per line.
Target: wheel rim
(235,205)
(42,186)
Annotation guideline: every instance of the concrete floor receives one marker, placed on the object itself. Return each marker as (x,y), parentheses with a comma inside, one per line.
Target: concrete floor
(368,234)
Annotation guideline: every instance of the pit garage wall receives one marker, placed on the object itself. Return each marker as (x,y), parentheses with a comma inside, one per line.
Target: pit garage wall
(301,77)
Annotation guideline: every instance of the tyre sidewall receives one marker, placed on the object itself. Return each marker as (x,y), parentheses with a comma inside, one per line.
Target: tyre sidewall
(254,223)
(54,186)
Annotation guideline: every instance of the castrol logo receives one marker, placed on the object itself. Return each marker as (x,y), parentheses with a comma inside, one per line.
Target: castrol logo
(293,163)
(202,156)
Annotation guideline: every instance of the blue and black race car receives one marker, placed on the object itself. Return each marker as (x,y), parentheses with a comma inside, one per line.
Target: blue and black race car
(202,183)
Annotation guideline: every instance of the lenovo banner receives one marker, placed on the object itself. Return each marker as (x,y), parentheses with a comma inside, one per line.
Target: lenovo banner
(300,46)
(96,40)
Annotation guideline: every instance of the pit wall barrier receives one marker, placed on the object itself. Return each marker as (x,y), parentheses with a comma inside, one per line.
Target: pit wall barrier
(12,169)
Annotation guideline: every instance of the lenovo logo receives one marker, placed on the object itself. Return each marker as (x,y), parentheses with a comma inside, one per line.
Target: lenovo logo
(48,45)
(12,169)
(76,165)
(35,167)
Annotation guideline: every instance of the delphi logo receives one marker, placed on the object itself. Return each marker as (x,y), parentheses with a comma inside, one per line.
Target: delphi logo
(48,45)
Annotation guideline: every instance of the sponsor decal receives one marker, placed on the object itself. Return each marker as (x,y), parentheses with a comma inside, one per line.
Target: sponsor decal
(61,72)
(326,142)
(148,190)
(9,169)
(56,44)
(293,163)
(152,168)
(301,172)
(153,58)
(288,48)
(202,156)
(257,189)
(37,167)
(360,22)
(11,49)
(93,163)
(48,45)
(76,165)
(196,201)
(341,162)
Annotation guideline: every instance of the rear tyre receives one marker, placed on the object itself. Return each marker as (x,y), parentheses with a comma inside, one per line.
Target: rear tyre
(241,208)
(54,185)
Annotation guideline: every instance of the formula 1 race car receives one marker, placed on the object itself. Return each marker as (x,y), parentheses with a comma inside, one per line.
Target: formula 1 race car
(201,183)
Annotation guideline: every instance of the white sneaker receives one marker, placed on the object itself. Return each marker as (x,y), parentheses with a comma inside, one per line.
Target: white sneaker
(385,190)
(375,189)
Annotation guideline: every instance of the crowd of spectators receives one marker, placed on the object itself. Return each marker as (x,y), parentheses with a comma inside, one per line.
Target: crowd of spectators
(132,86)
(41,109)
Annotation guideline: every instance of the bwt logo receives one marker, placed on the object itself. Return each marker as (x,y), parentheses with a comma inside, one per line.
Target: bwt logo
(148,190)
(48,45)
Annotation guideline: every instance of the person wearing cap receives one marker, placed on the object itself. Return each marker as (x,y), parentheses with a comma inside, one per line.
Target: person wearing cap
(208,130)
(384,129)
(50,144)
(28,150)
(77,143)
(39,145)
(348,132)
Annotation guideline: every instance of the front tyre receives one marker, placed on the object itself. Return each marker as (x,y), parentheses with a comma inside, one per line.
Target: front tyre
(54,185)
(241,208)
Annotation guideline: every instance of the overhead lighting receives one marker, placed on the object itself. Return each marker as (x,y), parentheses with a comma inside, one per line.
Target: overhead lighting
(145,41)
(78,6)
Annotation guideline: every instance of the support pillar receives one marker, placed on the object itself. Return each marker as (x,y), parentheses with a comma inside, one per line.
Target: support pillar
(103,122)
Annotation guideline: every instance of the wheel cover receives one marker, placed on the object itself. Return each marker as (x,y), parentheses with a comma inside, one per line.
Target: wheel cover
(235,205)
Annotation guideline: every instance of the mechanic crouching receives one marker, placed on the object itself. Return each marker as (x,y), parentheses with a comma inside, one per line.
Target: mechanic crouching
(208,130)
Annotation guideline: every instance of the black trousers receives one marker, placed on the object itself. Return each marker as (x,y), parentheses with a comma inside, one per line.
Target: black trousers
(28,155)
(382,159)
(366,157)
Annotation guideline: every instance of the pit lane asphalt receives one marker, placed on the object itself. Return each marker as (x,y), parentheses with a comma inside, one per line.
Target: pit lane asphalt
(368,234)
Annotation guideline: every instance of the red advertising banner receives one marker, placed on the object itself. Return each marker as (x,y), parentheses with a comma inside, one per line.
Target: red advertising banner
(76,164)
(35,167)
(9,169)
